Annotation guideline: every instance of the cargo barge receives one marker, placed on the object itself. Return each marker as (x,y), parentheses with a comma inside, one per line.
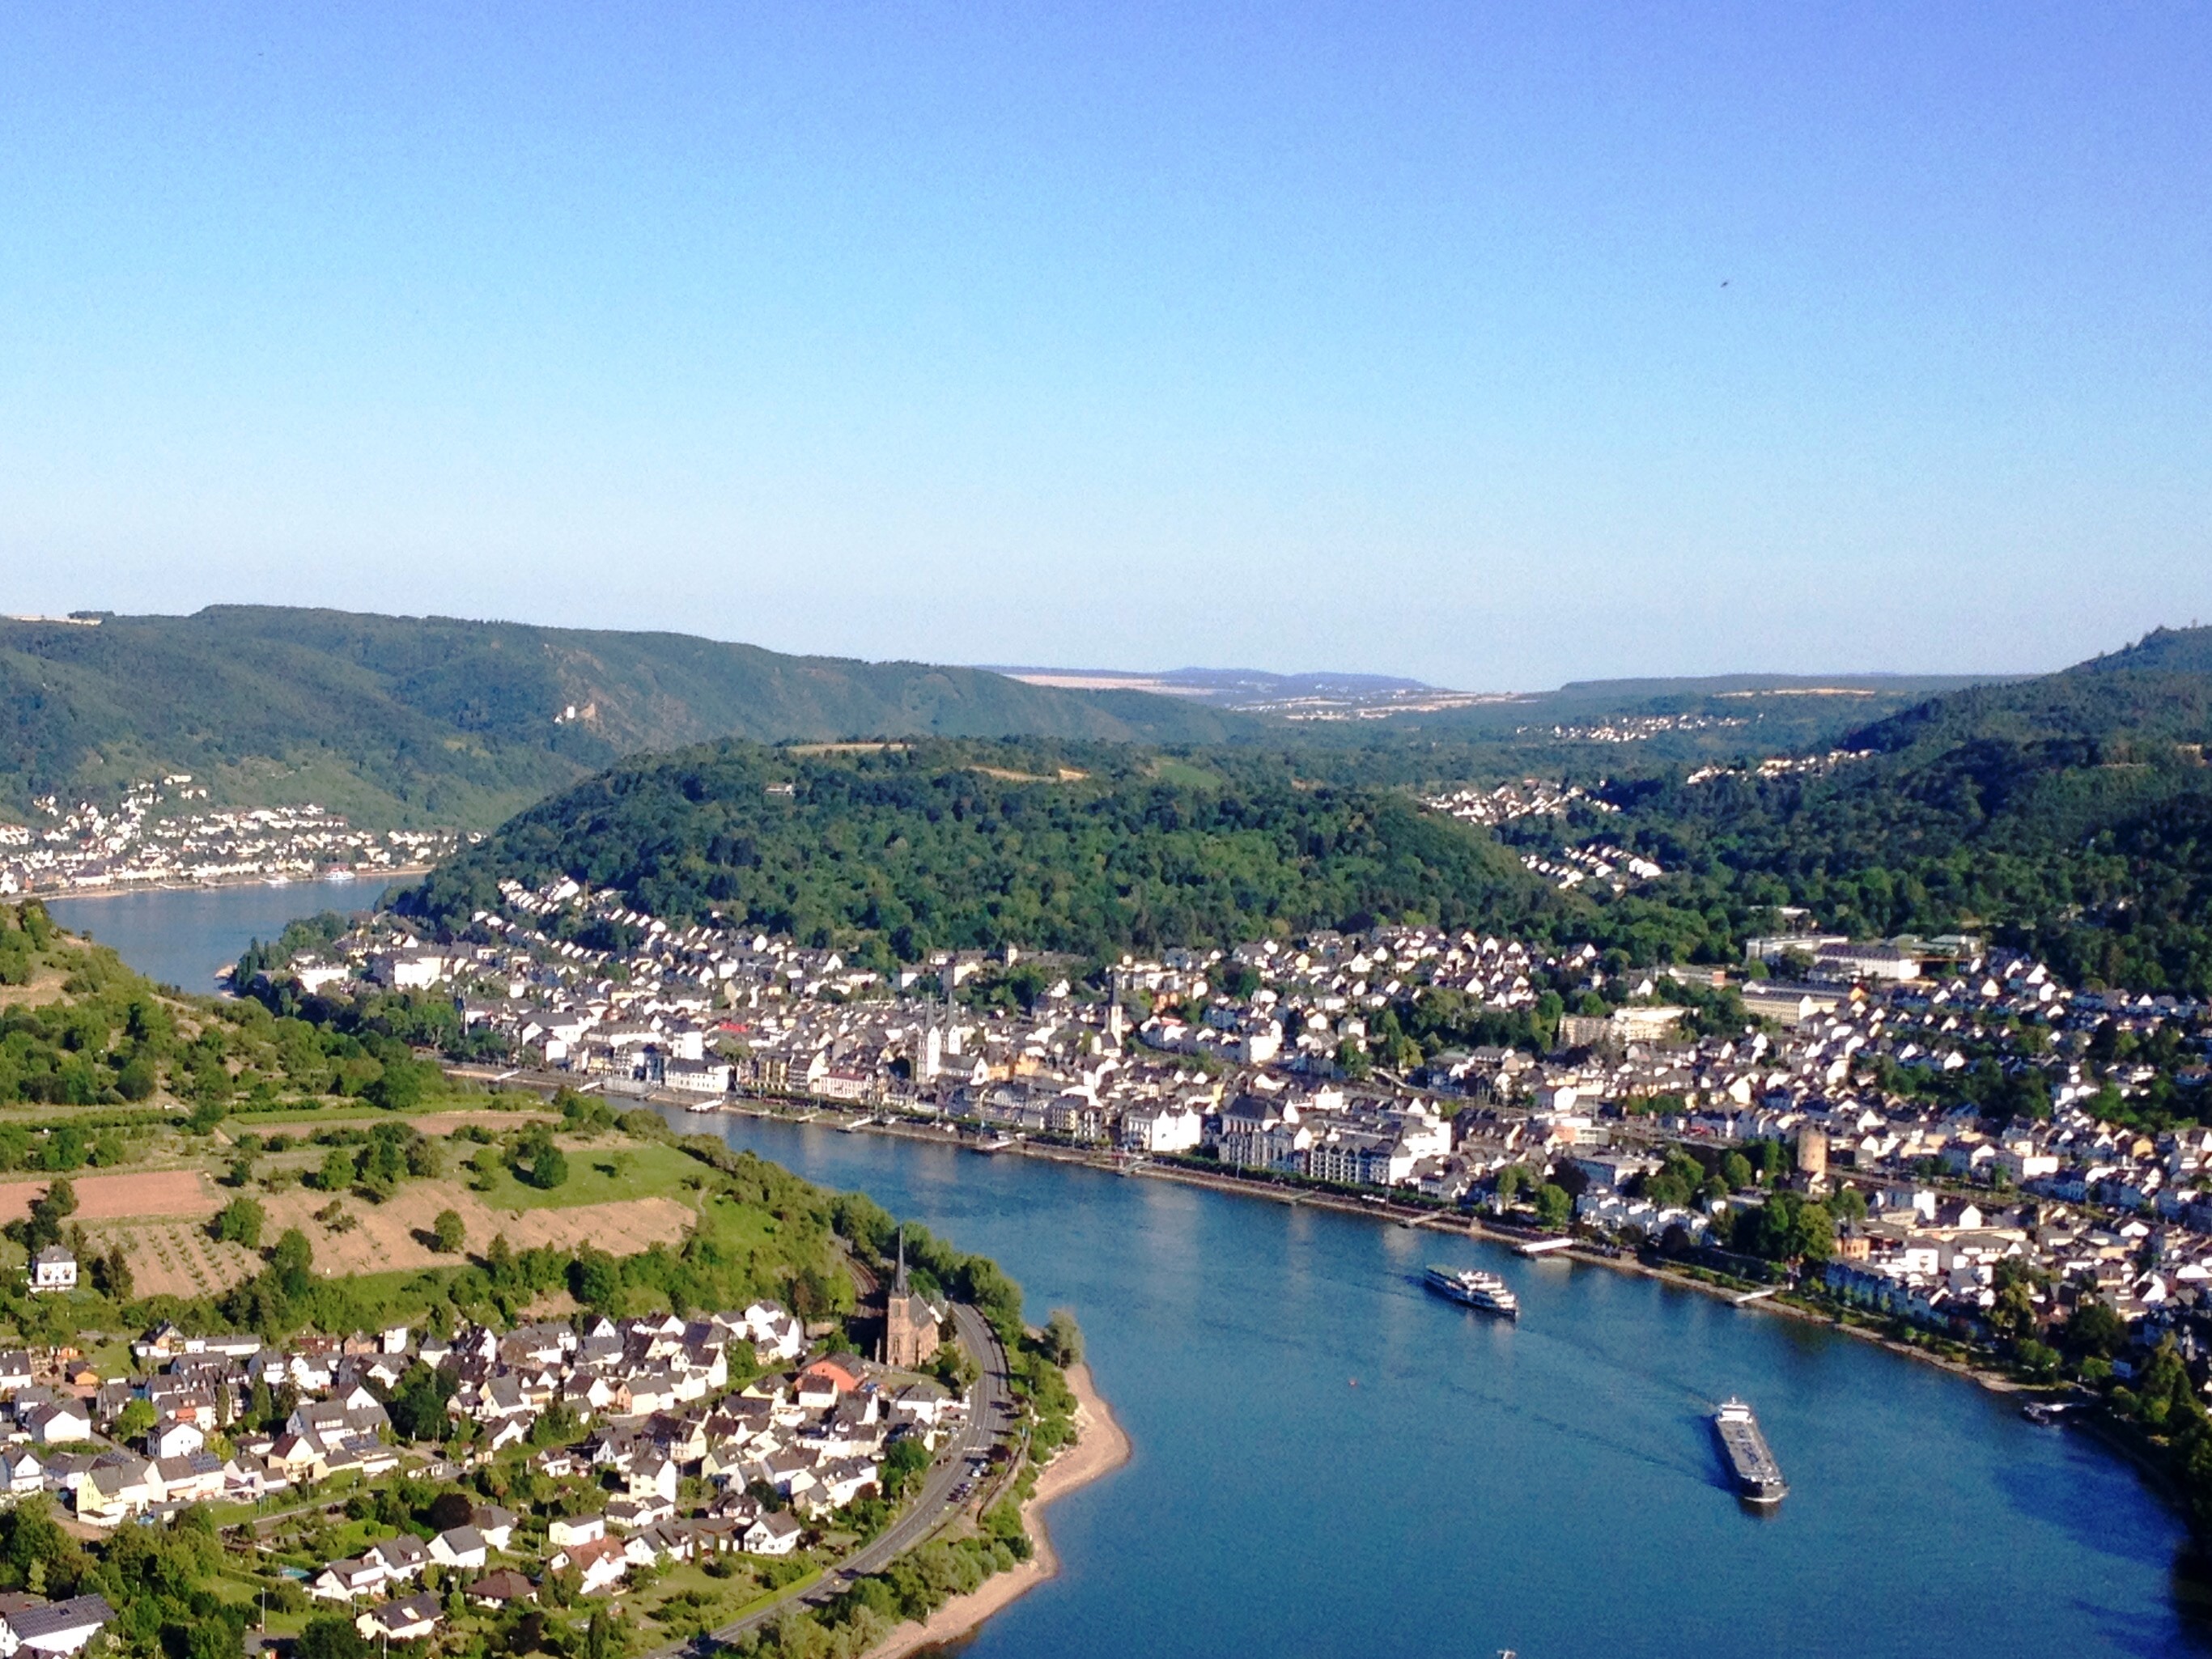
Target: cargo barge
(1758,1476)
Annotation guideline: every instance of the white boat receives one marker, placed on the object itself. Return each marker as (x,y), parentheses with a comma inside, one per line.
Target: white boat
(1484,1292)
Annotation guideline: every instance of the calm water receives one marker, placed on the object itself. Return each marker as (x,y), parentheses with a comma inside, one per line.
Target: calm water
(186,938)
(1330,1462)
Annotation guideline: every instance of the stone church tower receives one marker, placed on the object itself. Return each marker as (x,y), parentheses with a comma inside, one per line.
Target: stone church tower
(909,1322)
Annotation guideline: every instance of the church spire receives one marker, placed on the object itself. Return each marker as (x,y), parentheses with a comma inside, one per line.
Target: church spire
(898,1284)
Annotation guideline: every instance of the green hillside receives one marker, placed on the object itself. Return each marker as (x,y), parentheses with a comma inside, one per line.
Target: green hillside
(1081,848)
(420,720)
(2071,812)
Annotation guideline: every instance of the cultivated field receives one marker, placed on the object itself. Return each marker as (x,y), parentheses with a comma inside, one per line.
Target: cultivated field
(111,1197)
(181,1260)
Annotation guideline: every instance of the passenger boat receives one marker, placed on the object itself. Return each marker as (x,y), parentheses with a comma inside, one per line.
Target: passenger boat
(1484,1292)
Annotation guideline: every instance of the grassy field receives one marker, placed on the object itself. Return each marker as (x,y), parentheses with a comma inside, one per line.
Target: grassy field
(601,1170)
(736,1227)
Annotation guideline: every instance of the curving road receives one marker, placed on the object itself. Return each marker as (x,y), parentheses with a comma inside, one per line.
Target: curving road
(990,1418)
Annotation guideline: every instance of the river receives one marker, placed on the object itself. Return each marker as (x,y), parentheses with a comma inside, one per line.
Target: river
(185,936)
(1329,1462)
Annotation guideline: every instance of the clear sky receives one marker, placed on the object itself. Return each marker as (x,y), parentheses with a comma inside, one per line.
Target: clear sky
(1493,344)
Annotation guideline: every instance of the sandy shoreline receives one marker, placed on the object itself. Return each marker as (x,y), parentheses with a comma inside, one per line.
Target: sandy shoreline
(1101,1447)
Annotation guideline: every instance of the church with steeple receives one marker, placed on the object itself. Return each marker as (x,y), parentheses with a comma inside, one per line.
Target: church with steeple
(909,1322)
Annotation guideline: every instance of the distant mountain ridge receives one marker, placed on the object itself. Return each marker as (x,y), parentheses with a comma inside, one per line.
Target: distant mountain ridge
(417,719)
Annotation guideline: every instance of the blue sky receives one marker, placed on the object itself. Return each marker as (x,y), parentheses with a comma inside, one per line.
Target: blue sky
(1494,345)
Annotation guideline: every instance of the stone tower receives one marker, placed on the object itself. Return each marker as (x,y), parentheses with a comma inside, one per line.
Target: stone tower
(1812,1156)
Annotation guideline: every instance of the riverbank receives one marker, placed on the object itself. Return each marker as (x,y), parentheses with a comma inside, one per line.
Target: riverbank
(363,877)
(1381,1209)
(1101,1447)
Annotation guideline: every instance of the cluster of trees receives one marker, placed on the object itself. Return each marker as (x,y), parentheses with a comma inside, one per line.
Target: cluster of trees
(104,1041)
(307,933)
(537,1161)
(159,1580)
(62,1147)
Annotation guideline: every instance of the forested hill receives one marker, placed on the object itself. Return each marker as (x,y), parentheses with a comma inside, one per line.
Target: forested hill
(2129,705)
(1085,849)
(408,720)
(2072,812)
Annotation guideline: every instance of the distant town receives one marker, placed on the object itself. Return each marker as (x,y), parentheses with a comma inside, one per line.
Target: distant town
(1912,1127)
(156,837)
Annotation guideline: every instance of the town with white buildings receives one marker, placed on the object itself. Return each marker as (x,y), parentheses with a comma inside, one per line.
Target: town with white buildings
(1288,1061)
(726,1434)
(156,836)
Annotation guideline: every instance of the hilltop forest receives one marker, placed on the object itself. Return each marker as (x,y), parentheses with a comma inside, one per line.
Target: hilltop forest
(1080,848)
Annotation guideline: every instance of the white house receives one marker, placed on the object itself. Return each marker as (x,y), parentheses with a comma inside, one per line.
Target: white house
(58,1627)
(406,1620)
(772,1535)
(459,1546)
(172,1437)
(61,1421)
(574,1530)
(599,1564)
(53,1269)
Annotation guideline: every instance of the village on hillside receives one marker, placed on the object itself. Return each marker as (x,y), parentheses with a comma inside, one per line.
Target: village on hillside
(155,837)
(626,1448)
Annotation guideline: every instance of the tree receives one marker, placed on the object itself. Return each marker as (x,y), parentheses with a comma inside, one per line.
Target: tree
(135,1419)
(240,1222)
(448,1233)
(292,1261)
(417,1407)
(111,1274)
(1061,1342)
(2095,1330)
(538,1160)
(337,1173)
(593,1278)
(51,1207)
(1735,1170)
(330,1636)
(1553,1206)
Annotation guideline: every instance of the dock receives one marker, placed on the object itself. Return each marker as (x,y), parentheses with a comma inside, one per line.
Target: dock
(1536,1247)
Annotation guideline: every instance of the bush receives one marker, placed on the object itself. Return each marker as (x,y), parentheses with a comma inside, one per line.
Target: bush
(240,1222)
(448,1233)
